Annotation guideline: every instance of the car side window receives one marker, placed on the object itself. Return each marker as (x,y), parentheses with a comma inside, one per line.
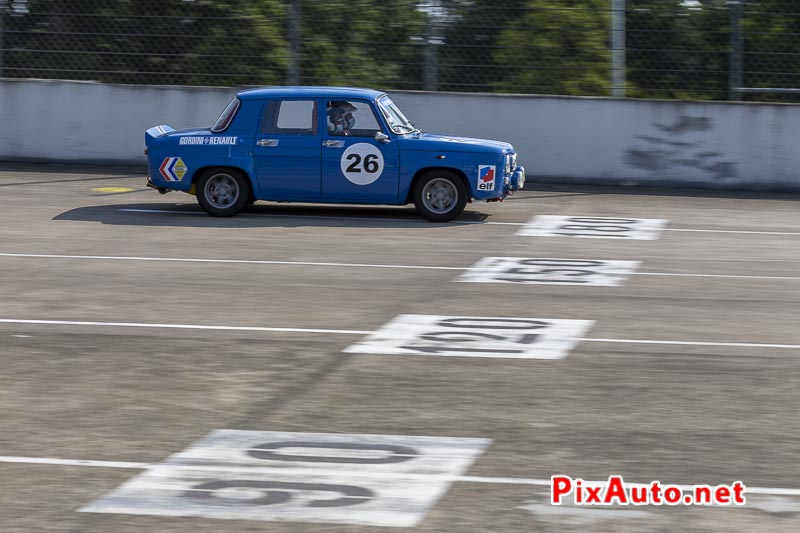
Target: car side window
(351,118)
(226,117)
(290,117)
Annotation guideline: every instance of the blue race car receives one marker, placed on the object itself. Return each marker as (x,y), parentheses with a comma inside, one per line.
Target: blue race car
(328,145)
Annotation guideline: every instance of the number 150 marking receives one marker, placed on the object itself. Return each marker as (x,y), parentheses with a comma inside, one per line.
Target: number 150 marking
(549,271)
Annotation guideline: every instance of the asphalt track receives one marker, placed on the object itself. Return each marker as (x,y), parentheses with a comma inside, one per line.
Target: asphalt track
(688,373)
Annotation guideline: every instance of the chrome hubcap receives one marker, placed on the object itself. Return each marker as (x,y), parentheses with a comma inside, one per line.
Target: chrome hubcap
(439,195)
(222,191)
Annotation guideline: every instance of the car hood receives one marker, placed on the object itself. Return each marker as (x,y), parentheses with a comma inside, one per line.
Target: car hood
(433,142)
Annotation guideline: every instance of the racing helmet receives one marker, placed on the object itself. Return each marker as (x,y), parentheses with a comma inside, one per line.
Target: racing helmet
(340,115)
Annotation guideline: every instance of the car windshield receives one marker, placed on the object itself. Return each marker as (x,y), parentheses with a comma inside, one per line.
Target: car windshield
(396,119)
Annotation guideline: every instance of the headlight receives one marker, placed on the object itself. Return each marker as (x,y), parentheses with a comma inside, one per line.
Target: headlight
(510,163)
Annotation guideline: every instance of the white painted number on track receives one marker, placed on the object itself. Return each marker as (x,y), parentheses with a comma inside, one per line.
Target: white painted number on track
(647,229)
(299,477)
(470,336)
(549,271)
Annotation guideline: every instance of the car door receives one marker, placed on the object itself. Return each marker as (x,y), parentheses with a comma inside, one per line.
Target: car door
(355,166)
(287,150)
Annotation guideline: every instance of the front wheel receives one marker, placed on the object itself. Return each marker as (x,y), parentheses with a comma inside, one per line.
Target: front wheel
(440,195)
(222,192)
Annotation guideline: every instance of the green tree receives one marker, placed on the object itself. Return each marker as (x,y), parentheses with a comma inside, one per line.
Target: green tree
(527,46)
(557,47)
(771,45)
(678,49)
(362,42)
(237,42)
(473,32)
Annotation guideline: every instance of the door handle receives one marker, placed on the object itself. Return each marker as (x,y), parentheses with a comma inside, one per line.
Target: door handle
(267,142)
(333,144)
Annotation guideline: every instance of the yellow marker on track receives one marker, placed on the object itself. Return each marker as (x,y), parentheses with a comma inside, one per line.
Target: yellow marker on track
(112,189)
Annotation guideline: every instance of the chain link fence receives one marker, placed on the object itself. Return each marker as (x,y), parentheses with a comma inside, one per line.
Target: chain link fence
(696,49)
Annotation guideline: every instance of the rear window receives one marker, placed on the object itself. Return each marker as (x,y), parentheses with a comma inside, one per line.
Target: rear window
(226,117)
(290,117)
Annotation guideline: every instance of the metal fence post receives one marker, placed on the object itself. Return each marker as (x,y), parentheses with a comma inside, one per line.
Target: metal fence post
(294,43)
(735,68)
(618,81)
(2,21)
(431,54)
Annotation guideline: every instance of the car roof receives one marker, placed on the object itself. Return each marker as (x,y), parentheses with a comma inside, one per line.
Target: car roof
(311,92)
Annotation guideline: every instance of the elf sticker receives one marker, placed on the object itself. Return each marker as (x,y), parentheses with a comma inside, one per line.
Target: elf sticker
(486,177)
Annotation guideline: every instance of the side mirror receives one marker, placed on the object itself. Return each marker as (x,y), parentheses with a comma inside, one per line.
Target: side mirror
(382,137)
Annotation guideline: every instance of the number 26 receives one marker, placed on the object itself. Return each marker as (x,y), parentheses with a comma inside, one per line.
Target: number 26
(370,163)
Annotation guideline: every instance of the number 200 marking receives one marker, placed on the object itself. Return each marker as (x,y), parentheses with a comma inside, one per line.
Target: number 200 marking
(437,337)
(475,336)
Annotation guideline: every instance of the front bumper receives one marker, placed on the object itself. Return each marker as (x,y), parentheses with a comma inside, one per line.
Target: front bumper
(515,182)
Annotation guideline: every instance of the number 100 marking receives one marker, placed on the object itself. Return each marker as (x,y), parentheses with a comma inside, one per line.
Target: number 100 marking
(593,227)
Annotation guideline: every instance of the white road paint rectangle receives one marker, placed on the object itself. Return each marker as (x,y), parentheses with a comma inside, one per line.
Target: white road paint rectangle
(471,336)
(334,452)
(593,227)
(273,497)
(549,271)
(309,477)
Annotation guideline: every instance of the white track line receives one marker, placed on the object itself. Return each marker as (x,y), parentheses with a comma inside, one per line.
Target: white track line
(777,491)
(234,261)
(697,343)
(732,276)
(292,215)
(349,265)
(180,326)
(71,462)
(734,231)
(358,332)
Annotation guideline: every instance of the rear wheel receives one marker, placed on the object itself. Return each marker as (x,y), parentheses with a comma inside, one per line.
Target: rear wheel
(222,192)
(440,195)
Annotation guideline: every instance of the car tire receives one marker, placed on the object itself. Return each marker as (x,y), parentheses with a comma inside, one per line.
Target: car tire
(222,192)
(440,195)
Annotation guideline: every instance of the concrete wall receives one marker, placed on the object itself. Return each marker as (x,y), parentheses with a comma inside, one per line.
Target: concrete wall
(729,145)
(45,120)
(633,142)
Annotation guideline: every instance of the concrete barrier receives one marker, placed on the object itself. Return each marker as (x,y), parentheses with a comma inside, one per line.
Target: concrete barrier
(69,121)
(558,139)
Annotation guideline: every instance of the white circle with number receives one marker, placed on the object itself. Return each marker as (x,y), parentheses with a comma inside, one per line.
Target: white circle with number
(362,163)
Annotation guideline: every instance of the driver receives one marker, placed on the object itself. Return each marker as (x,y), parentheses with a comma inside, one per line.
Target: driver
(340,115)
